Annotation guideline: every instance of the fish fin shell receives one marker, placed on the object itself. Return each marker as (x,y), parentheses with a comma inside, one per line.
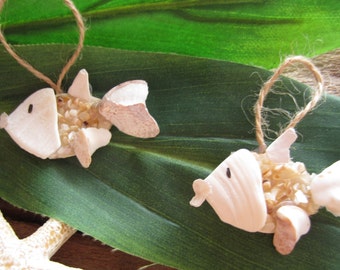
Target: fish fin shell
(80,87)
(279,150)
(86,141)
(124,106)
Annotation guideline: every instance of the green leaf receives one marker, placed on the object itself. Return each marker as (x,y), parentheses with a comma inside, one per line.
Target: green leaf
(246,31)
(135,195)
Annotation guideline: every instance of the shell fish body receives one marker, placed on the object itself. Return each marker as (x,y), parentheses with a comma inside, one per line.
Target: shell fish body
(38,111)
(58,126)
(234,192)
(269,193)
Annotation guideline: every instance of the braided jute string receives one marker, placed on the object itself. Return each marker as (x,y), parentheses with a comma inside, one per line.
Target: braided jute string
(70,62)
(317,94)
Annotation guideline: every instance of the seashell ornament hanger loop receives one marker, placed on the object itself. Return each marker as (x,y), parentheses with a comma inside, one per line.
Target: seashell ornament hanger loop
(70,62)
(318,92)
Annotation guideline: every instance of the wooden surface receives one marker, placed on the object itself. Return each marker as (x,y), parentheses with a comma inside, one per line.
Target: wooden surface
(83,252)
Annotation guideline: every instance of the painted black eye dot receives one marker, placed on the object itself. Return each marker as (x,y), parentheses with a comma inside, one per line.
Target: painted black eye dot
(228,172)
(30,108)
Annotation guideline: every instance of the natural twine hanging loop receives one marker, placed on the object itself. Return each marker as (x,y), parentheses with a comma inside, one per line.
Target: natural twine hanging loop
(317,94)
(70,62)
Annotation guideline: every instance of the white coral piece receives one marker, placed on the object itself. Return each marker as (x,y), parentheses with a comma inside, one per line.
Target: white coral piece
(33,252)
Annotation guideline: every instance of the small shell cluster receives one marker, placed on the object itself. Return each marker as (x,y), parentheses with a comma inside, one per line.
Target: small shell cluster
(286,184)
(75,113)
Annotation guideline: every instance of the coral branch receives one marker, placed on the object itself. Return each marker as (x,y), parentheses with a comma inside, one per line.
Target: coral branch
(33,252)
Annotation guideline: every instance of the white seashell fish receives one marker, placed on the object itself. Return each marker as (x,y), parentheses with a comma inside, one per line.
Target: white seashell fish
(269,193)
(59,126)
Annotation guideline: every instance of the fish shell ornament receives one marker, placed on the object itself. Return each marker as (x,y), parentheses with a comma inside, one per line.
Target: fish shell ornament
(269,193)
(77,124)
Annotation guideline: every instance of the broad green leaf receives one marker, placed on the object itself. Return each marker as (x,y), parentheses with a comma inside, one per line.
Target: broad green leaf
(135,195)
(245,31)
